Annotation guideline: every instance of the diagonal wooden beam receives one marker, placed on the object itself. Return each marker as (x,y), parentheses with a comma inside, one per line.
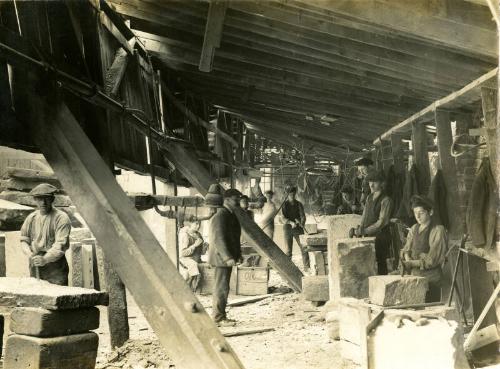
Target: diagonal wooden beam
(213,34)
(177,317)
(115,73)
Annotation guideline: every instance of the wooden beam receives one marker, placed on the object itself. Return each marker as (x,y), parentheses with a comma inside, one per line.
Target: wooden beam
(115,73)
(421,157)
(194,118)
(457,99)
(177,317)
(489,105)
(478,38)
(213,34)
(448,167)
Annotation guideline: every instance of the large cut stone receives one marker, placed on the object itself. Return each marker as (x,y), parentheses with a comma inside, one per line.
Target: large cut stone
(350,312)
(37,322)
(392,290)
(437,344)
(338,228)
(315,288)
(12,215)
(77,351)
(351,262)
(317,239)
(30,292)
(24,198)
(23,185)
(16,261)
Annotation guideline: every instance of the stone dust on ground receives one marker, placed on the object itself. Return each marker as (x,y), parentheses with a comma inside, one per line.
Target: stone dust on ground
(299,339)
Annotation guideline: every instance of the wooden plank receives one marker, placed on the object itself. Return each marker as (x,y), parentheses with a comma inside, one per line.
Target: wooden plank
(115,73)
(484,337)
(213,34)
(449,170)
(457,99)
(421,156)
(183,327)
(110,26)
(489,105)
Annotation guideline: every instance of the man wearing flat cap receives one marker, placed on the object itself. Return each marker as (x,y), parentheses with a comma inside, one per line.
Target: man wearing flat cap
(224,252)
(45,237)
(425,248)
(362,189)
(375,219)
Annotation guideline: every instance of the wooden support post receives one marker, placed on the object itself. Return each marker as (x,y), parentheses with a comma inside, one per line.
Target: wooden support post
(115,73)
(489,104)
(213,34)
(449,169)
(421,156)
(177,317)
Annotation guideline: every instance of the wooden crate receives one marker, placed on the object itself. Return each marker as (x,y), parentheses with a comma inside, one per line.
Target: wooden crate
(249,281)
(206,285)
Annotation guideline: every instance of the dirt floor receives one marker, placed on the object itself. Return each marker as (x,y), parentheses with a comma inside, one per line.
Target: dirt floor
(298,341)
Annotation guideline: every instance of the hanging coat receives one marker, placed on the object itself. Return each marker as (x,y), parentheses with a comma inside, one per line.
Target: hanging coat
(405,213)
(481,211)
(437,193)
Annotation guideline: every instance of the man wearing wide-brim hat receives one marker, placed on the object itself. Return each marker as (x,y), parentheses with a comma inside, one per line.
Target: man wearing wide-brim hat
(45,237)
(375,219)
(224,250)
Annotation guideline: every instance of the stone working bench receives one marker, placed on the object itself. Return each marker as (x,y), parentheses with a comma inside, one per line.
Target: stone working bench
(50,324)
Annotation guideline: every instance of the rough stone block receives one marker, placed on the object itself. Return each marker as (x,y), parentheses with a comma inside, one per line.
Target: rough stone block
(349,317)
(438,344)
(30,292)
(77,351)
(79,234)
(318,262)
(317,239)
(12,215)
(24,199)
(392,290)
(19,184)
(74,256)
(339,225)
(311,228)
(315,288)
(48,323)
(351,262)
(16,261)
(88,265)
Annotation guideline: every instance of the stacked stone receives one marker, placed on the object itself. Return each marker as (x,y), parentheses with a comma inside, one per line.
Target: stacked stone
(53,327)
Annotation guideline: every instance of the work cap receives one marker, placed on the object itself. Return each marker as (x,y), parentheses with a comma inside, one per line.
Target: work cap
(421,201)
(375,176)
(214,196)
(43,189)
(291,189)
(232,192)
(363,161)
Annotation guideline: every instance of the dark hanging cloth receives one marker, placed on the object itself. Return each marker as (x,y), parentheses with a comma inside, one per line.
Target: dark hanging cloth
(394,188)
(481,210)
(410,188)
(437,193)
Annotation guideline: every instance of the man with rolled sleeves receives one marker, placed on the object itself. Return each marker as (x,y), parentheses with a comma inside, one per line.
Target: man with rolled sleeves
(45,237)
(224,252)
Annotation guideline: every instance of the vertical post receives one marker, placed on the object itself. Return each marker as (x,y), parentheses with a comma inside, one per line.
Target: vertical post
(489,105)
(421,156)
(449,169)
(398,154)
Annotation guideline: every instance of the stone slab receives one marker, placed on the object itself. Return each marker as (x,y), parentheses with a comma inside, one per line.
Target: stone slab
(16,261)
(12,215)
(316,239)
(39,322)
(75,262)
(351,262)
(311,228)
(338,227)
(19,184)
(392,290)
(350,324)
(315,288)
(24,199)
(438,344)
(30,292)
(77,351)
(80,234)
(318,261)
(88,265)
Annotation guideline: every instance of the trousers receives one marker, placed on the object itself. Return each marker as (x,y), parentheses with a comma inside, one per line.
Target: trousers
(221,292)
(291,233)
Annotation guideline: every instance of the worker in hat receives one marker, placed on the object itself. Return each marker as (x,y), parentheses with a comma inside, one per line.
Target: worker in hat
(362,188)
(349,204)
(224,253)
(425,248)
(293,217)
(375,219)
(45,237)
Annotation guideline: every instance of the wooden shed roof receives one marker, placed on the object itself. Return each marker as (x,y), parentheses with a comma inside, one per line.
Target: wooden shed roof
(333,73)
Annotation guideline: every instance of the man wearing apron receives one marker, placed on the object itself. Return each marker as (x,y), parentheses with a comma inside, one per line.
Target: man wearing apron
(425,248)
(45,237)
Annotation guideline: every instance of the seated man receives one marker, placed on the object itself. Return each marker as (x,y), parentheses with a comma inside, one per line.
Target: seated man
(349,205)
(191,248)
(425,248)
